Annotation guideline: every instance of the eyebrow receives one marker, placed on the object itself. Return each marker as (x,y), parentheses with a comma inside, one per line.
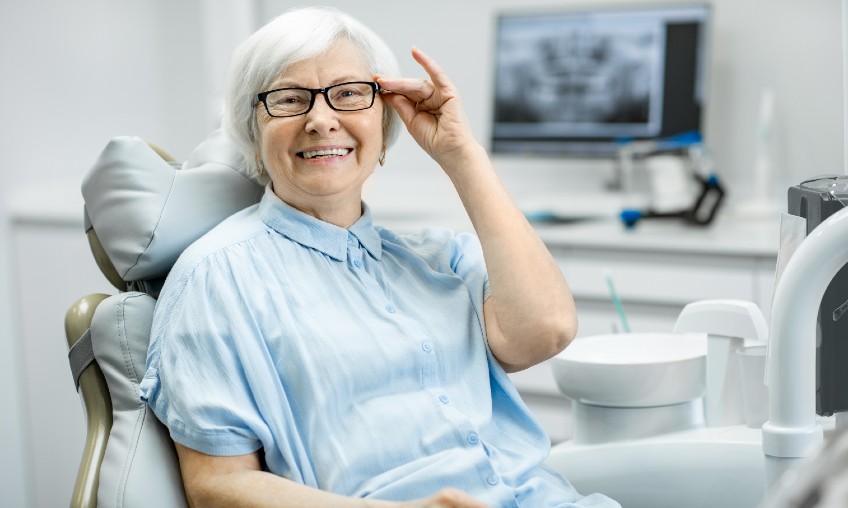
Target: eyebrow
(293,84)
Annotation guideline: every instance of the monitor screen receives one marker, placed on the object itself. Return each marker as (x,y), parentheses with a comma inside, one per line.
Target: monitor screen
(580,83)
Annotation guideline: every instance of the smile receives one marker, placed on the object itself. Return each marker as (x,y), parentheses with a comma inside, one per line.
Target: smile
(333,152)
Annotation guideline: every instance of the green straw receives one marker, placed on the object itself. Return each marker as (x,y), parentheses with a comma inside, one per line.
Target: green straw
(616,301)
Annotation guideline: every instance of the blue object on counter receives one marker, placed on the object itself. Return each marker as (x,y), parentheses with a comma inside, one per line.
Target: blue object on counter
(684,138)
(630,217)
(702,212)
(712,180)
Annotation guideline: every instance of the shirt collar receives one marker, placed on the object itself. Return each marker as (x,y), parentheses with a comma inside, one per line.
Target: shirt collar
(315,233)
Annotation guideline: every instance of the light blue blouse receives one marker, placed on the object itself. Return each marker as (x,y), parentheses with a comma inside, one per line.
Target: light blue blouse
(354,358)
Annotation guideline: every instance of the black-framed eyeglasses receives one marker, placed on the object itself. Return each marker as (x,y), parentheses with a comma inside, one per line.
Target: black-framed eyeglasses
(294,101)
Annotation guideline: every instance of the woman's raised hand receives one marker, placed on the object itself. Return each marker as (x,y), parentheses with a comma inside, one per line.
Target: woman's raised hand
(432,111)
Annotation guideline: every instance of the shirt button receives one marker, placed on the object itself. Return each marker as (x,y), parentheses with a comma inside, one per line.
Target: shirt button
(390,309)
(444,399)
(426,347)
(357,263)
(492,479)
(473,439)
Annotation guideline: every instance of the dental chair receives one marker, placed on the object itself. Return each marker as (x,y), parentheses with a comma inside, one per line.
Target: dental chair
(142,209)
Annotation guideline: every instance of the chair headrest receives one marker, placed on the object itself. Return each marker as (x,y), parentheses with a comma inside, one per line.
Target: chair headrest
(146,210)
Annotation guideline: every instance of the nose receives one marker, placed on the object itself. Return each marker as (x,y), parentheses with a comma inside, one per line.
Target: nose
(321,119)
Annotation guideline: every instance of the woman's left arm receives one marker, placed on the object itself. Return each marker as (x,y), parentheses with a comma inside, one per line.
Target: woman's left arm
(530,314)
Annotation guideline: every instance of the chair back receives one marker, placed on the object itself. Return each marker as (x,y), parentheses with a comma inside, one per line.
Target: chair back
(142,209)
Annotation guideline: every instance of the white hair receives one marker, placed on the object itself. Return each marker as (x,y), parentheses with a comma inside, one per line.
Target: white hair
(294,36)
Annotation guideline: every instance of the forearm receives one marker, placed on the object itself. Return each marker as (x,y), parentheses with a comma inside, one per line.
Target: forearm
(238,481)
(530,298)
(262,489)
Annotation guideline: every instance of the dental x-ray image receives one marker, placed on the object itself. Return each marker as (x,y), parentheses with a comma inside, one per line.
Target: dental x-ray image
(582,75)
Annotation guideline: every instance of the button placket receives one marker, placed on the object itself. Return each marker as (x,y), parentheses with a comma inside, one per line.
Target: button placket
(428,364)
(354,252)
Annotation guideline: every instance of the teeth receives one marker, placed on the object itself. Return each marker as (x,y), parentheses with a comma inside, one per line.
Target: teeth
(324,153)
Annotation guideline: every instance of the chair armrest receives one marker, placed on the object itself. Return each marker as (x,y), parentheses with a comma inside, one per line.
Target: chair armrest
(96,403)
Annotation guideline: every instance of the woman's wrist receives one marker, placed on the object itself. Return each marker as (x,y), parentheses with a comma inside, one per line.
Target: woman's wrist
(469,157)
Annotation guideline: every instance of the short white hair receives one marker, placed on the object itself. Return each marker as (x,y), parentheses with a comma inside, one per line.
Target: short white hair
(294,36)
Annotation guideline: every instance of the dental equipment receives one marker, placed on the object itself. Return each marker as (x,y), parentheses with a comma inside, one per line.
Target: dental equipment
(792,433)
(639,398)
(709,194)
(810,203)
(727,323)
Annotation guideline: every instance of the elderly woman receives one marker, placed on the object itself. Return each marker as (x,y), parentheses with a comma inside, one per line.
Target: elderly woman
(301,355)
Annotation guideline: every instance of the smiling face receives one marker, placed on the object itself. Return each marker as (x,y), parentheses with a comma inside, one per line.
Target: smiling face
(318,162)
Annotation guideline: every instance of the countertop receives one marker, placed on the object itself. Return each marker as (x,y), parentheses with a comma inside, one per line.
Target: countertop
(726,236)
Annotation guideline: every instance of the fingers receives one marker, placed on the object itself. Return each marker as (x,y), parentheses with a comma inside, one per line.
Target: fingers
(453,498)
(430,108)
(446,498)
(419,90)
(436,73)
(404,106)
(416,90)
(408,96)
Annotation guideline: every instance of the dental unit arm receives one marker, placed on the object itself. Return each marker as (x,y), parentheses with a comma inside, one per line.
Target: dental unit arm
(792,433)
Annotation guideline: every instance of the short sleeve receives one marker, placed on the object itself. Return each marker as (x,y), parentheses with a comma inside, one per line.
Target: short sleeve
(196,381)
(466,260)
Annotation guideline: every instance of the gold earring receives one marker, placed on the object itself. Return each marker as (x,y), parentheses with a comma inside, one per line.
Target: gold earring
(260,167)
(382,158)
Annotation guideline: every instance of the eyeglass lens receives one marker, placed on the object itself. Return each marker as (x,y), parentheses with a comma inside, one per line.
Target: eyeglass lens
(343,97)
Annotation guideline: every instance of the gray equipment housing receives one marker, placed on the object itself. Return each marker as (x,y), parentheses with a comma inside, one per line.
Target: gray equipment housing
(815,201)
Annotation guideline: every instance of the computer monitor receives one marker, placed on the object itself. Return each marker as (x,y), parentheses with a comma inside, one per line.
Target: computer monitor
(581,82)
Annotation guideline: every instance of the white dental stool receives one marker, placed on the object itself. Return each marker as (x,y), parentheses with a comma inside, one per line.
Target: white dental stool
(141,211)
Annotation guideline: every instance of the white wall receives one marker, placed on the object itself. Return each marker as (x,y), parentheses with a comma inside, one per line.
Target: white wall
(74,75)
(13,466)
(78,73)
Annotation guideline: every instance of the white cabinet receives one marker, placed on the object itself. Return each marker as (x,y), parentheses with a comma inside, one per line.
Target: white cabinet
(654,286)
(657,269)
